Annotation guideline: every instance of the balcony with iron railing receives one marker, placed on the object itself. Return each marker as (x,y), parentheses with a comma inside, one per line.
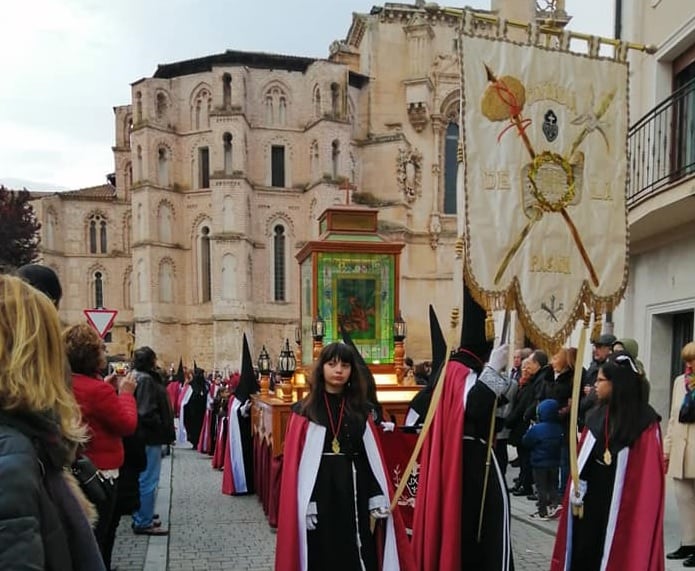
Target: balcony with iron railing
(661,168)
(662,146)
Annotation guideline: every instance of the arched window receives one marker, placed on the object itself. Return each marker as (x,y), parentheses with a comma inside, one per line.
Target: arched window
(335,159)
(98,289)
(161,105)
(269,109)
(200,108)
(314,159)
(97,243)
(102,236)
(451,142)
(279,278)
(138,107)
(227,140)
(205,270)
(163,166)
(92,237)
(226,90)
(282,111)
(335,100)
(317,101)
(276,104)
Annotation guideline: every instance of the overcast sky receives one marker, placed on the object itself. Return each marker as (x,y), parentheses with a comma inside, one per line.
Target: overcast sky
(65,64)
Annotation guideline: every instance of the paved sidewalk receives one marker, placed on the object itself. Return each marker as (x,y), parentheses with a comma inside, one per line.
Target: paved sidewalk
(211,531)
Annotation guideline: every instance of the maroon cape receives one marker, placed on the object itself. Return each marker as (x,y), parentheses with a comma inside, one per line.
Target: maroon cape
(437,519)
(636,539)
(290,552)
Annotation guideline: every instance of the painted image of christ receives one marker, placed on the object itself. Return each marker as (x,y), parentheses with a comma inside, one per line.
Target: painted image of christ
(356,303)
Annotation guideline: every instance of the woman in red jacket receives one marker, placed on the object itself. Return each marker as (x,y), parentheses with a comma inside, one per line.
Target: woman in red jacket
(110,413)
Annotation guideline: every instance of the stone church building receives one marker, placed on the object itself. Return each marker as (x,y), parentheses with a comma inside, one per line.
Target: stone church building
(223,164)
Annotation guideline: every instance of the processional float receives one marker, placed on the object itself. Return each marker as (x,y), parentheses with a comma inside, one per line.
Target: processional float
(542,177)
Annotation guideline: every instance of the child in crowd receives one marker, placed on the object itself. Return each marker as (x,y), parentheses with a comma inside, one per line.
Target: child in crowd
(544,439)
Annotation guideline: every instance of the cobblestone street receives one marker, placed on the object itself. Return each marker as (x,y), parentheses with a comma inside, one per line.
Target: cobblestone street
(211,531)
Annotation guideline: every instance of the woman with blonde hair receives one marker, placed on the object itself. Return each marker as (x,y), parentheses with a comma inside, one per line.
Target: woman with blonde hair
(43,522)
(679,454)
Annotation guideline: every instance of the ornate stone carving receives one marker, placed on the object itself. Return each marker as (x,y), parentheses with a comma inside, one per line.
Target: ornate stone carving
(409,169)
(435,230)
(418,116)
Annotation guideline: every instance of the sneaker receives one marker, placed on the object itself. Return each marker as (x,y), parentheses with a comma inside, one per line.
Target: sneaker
(151,530)
(538,517)
(554,512)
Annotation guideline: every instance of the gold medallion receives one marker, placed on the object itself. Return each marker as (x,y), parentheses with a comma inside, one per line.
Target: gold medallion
(335,445)
(607,458)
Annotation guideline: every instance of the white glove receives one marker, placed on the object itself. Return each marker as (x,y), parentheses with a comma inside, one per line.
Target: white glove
(245,408)
(312,516)
(379,507)
(499,357)
(388,426)
(577,497)
(380,513)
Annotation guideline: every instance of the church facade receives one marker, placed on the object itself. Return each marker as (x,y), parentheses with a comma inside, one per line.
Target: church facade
(223,165)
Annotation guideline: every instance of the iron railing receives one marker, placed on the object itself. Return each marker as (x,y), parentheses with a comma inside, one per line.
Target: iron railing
(662,145)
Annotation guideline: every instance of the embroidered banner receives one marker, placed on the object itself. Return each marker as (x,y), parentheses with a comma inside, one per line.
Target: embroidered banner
(545,162)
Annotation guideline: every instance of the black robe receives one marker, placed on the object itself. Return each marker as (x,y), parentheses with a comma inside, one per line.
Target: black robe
(332,545)
(194,410)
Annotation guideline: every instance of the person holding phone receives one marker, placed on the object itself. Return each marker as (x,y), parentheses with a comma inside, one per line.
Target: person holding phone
(109,410)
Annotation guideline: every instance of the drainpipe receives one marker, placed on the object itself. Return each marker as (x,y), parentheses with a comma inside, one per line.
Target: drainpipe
(618,23)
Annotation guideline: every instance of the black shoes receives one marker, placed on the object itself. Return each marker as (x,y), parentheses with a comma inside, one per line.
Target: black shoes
(683,552)
(689,561)
(521,492)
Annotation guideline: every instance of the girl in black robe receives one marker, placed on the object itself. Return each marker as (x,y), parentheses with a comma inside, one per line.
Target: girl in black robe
(345,491)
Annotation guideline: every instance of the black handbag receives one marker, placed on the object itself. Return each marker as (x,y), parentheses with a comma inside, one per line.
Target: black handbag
(97,488)
(686,415)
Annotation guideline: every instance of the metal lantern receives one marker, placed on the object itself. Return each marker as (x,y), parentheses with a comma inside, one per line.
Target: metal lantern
(298,335)
(400,328)
(287,362)
(318,328)
(264,362)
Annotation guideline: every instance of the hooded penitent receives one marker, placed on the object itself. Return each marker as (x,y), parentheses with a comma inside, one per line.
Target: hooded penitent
(421,402)
(194,409)
(237,477)
(453,462)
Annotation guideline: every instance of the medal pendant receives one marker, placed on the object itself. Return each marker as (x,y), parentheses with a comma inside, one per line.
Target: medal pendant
(607,458)
(335,446)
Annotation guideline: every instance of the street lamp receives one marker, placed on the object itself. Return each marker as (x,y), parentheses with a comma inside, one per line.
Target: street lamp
(399,331)
(318,330)
(286,366)
(264,370)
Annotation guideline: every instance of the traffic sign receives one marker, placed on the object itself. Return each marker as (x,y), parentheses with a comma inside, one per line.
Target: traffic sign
(101,319)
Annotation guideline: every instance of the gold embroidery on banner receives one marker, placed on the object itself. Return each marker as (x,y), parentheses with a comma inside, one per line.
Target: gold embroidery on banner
(551,264)
(496,180)
(554,92)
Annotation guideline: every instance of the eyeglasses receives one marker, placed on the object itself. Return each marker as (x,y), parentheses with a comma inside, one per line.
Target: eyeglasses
(626,359)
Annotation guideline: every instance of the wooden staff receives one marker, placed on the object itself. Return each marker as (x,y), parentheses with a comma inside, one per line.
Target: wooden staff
(577,509)
(490,438)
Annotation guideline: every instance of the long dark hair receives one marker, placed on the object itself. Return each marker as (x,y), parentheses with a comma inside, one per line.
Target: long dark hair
(355,389)
(627,405)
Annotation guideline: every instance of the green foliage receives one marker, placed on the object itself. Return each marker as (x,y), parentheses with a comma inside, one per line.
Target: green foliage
(19,229)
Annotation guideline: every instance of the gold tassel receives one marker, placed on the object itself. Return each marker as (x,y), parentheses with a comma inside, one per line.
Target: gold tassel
(596,329)
(489,326)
